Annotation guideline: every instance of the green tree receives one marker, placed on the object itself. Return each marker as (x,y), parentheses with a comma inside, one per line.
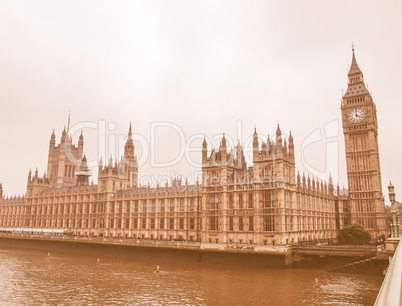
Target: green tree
(354,234)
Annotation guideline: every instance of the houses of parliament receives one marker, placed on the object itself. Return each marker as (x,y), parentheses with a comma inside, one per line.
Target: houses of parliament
(260,205)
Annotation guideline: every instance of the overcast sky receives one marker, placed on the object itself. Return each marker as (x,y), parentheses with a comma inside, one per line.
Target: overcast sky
(202,68)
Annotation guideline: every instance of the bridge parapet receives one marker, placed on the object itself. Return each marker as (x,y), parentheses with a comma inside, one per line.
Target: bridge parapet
(391,289)
(390,247)
(335,250)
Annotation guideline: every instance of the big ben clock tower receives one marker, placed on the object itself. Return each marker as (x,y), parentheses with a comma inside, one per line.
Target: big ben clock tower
(360,128)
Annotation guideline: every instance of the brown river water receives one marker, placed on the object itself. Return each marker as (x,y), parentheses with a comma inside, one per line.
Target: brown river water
(69,275)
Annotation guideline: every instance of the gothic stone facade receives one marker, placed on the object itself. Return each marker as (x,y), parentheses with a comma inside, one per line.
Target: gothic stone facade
(265,204)
(359,117)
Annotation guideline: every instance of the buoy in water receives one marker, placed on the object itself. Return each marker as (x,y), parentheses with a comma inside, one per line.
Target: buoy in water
(48,254)
(316,283)
(98,263)
(157,269)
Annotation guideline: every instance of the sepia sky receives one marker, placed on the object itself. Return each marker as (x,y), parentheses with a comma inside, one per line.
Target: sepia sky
(179,70)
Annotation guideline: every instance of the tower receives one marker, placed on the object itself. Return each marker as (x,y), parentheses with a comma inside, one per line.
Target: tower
(128,165)
(120,175)
(222,174)
(360,128)
(63,160)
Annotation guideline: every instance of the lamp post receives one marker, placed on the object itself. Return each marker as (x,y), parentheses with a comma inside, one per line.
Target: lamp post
(394,226)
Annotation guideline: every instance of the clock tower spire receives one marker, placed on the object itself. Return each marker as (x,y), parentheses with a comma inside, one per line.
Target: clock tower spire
(360,128)
(355,75)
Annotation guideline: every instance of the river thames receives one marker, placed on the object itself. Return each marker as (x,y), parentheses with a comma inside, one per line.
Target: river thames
(71,276)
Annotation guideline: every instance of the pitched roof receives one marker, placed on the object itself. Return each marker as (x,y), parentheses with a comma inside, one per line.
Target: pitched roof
(354,68)
(357,89)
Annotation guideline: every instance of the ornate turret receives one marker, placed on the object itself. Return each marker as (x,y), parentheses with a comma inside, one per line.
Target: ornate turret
(278,136)
(53,139)
(204,151)
(255,145)
(81,141)
(127,168)
(269,144)
(63,135)
(223,150)
(239,154)
(129,147)
(298,179)
(264,148)
(280,151)
(83,173)
(223,141)
(291,145)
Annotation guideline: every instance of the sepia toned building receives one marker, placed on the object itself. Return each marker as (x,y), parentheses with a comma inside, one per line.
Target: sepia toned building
(261,205)
(265,204)
(360,127)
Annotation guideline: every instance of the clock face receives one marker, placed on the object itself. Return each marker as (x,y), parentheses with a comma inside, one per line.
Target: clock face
(356,115)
